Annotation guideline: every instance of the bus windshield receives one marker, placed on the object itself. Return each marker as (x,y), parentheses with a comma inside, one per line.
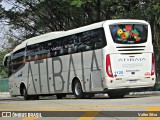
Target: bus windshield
(129,33)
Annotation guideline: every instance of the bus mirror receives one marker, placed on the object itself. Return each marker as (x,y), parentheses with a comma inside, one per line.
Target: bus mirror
(5,62)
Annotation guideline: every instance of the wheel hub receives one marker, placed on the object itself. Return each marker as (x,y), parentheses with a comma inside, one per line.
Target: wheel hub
(78,89)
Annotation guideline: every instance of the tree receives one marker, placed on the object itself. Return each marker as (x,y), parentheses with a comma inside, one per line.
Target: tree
(34,17)
(3,70)
(29,18)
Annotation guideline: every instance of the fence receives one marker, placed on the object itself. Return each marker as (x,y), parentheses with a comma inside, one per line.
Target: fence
(4,85)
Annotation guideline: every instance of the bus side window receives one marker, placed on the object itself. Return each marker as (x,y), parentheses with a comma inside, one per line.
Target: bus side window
(33,52)
(65,45)
(9,66)
(71,44)
(85,41)
(90,40)
(18,59)
(45,50)
(100,40)
(37,49)
(29,52)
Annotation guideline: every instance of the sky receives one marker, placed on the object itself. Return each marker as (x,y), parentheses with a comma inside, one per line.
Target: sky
(7,7)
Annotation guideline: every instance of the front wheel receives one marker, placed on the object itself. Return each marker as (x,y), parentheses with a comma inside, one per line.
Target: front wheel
(77,90)
(25,95)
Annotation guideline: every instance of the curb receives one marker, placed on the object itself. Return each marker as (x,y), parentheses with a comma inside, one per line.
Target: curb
(4,93)
(144,93)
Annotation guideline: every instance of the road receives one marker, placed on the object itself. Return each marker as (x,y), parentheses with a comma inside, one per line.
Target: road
(131,107)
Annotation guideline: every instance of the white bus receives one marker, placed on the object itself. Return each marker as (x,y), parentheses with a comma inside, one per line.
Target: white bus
(113,57)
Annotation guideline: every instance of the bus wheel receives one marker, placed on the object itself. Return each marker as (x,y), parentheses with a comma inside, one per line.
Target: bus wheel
(25,95)
(77,90)
(116,95)
(34,97)
(59,96)
(88,96)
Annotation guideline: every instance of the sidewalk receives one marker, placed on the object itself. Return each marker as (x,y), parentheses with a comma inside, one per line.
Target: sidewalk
(4,93)
(5,96)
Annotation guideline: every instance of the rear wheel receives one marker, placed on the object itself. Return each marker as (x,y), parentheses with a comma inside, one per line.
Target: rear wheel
(89,95)
(59,96)
(34,97)
(77,90)
(114,95)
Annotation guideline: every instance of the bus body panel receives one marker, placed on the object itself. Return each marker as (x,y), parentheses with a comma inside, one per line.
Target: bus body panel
(134,65)
(131,70)
(56,74)
(130,64)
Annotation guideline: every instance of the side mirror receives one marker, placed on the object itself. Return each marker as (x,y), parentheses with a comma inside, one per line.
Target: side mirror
(6,60)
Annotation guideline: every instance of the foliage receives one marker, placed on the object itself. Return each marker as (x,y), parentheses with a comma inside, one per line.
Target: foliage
(34,17)
(29,18)
(3,70)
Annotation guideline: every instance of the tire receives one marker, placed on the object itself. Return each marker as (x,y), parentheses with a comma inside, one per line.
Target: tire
(34,97)
(89,95)
(25,95)
(77,90)
(59,96)
(114,95)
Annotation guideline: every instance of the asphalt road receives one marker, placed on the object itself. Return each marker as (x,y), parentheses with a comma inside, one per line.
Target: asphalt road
(131,107)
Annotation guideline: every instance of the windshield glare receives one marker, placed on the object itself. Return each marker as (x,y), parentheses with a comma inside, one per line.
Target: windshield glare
(129,33)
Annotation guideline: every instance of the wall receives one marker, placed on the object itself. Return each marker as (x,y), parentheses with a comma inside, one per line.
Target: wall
(4,85)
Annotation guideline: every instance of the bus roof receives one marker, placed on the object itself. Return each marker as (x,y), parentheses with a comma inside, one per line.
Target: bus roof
(125,21)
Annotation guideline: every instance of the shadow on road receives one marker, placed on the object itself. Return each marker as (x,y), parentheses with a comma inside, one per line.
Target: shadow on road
(19,98)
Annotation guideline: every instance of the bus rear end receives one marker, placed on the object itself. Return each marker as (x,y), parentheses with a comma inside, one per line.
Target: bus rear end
(128,57)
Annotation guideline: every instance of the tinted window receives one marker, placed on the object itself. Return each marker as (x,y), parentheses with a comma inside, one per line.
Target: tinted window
(89,40)
(129,33)
(18,59)
(38,51)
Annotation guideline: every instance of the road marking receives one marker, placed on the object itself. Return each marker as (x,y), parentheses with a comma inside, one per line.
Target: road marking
(87,115)
(76,108)
(89,106)
(90,110)
(30,118)
(151,108)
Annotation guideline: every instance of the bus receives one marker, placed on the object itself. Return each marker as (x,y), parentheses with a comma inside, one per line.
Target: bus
(113,57)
